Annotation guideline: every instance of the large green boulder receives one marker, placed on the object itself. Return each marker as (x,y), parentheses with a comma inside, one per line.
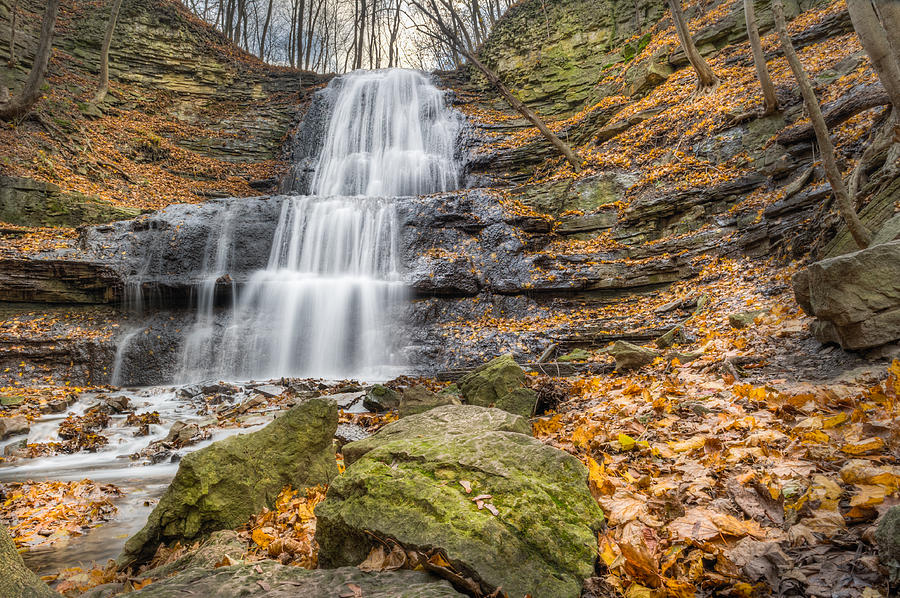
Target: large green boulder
(499,383)
(222,485)
(419,481)
(269,579)
(15,578)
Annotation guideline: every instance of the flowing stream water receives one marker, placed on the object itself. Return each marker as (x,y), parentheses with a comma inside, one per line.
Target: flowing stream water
(323,306)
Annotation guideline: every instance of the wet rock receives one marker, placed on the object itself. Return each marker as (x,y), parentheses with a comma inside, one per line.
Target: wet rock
(213,388)
(535,535)
(210,552)
(12,426)
(347,433)
(745,318)
(888,538)
(15,578)
(220,486)
(16,448)
(188,392)
(855,297)
(347,400)
(499,383)
(270,390)
(630,356)
(381,398)
(116,404)
(418,399)
(11,401)
(269,579)
(184,434)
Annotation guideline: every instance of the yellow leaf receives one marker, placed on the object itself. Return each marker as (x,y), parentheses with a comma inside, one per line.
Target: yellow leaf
(261,538)
(693,443)
(626,441)
(835,420)
(863,447)
(868,496)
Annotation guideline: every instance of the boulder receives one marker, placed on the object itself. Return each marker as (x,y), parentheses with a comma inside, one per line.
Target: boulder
(887,536)
(268,579)
(220,486)
(630,356)
(15,578)
(855,297)
(418,481)
(11,426)
(418,399)
(381,398)
(492,385)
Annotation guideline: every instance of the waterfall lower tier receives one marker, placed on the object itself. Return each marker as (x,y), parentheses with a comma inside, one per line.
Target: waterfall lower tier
(323,307)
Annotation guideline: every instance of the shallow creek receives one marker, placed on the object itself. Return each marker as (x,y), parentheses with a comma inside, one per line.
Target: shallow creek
(140,481)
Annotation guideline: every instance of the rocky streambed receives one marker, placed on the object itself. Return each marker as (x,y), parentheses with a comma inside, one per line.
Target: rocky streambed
(456,487)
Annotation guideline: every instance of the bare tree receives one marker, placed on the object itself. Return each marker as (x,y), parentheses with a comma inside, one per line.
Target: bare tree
(31,93)
(890,19)
(706,78)
(845,205)
(433,12)
(103,87)
(770,101)
(874,40)
(265,31)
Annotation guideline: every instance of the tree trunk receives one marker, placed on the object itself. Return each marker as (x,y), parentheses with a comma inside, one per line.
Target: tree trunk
(103,87)
(875,42)
(31,93)
(770,101)
(706,78)
(13,17)
(435,16)
(845,204)
(16,578)
(265,31)
(889,10)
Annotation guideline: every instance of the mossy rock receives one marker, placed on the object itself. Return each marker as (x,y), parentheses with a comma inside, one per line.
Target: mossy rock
(381,398)
(575,355)
(269,579)
(418,399)
(406,487)
(745,318)
(499,383)
(447,421)
(15,578)
(222,485)
(887,536)
(630,356)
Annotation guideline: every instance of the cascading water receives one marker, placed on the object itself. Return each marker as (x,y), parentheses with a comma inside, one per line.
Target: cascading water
(325,304)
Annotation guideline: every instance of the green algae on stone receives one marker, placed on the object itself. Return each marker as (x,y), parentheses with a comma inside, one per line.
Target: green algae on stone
(220,486)
(406,486)
(499,383)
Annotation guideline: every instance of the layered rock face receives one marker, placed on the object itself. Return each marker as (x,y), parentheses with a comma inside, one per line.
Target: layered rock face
(855,297)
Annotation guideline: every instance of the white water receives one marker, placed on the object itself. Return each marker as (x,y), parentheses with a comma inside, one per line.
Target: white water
(326,303)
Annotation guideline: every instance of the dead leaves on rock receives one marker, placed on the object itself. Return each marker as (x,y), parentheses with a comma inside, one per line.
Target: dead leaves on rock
(287,533)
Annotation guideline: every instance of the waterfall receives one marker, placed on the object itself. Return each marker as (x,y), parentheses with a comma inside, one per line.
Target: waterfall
(326,303)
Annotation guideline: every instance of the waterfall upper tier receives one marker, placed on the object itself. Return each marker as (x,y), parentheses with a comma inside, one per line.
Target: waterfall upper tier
(389,134)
